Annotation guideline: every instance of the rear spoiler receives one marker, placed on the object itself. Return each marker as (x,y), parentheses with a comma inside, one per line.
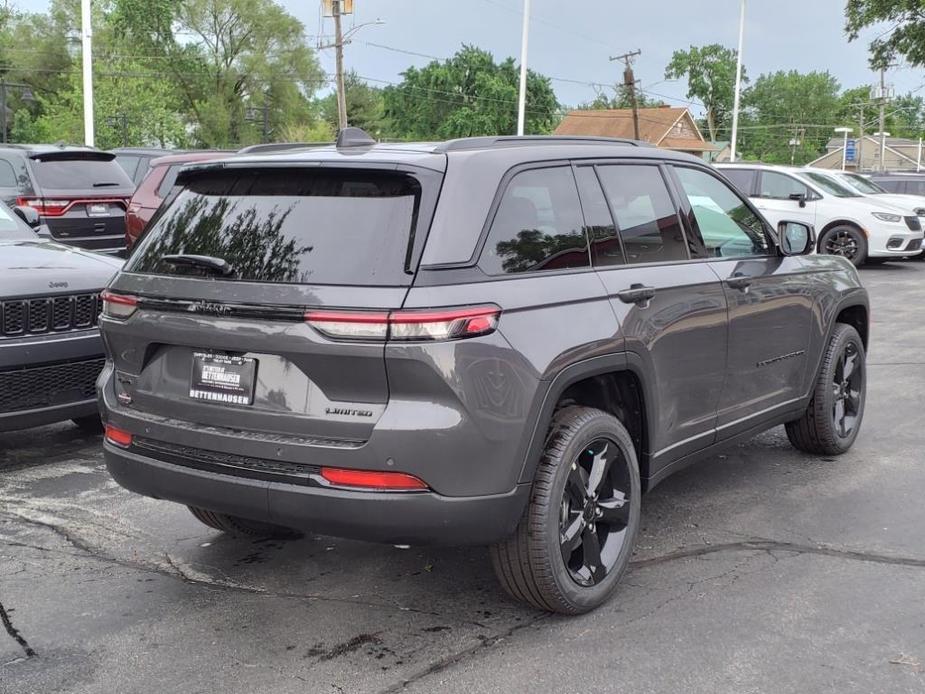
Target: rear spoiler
(72,155)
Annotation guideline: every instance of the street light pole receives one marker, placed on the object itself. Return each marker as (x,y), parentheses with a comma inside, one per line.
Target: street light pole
(522,100)
(339,62)
(86,35)
(738,87)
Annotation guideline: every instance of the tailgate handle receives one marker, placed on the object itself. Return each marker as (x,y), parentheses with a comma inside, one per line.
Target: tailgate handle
(636,294)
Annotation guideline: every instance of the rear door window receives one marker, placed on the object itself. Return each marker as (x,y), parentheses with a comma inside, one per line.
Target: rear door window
(743,179)
(778,186)
(346,227)
(646,216)
(538,225)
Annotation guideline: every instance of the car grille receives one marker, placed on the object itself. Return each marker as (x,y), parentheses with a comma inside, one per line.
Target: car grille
(48,314)
(44,386)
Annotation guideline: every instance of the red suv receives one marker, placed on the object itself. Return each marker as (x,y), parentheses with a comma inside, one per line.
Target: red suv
(155,186)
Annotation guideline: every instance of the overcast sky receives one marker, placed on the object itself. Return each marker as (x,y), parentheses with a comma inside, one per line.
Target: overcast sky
(573,40)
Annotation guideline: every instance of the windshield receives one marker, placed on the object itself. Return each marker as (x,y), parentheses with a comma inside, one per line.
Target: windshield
(290,226)
(12,227)
(831,186)
(861,184)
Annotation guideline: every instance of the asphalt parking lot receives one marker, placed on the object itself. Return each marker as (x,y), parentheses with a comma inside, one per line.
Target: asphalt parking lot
(762,570)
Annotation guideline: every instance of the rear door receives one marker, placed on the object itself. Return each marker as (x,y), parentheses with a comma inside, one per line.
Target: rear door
(770,300)
(776,198)
(291,337)
(82,195)
(671,311)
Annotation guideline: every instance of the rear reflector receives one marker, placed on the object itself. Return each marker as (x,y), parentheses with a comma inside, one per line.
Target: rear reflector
(118,306)
(118,436)
(412,325)
(366,479)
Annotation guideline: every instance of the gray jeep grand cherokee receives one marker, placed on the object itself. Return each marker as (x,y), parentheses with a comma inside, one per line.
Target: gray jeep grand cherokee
(501,341)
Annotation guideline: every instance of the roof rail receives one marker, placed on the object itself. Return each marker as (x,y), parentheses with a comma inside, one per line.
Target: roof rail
(467,143)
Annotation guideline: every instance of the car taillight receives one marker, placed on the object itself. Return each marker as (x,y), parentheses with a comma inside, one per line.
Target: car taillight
(46,208)
(118,306)
(406,326)
(368,479)
(118,436)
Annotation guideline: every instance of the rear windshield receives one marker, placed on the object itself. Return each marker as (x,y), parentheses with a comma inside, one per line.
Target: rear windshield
(289,226)
(80,174)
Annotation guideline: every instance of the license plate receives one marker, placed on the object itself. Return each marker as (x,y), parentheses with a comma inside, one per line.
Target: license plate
(222,378)
(98,210)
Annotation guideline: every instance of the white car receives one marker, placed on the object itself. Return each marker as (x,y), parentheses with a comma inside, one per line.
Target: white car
(865,186)
(847,223)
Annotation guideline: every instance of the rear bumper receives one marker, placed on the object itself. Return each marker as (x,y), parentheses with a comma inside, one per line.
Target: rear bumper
(418,518)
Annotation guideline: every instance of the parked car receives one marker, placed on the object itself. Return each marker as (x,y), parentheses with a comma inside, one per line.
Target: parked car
(850,225)
(496,340)
(80,193)
(906,183)
(160,179)
(136,161)
(50,348)
(865,186)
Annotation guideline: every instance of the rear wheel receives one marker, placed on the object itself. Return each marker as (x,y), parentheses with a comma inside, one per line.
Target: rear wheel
(577,534)
(847,241)
(241,527)
(832,421)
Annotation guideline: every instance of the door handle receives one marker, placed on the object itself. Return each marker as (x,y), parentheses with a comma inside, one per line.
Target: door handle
(636,294)
(739,280)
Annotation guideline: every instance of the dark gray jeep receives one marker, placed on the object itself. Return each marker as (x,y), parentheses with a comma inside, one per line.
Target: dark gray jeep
(500,341)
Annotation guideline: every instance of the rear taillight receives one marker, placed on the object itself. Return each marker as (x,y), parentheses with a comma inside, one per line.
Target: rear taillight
(406,326)
(118,436)
(46,208)
(118,306)
(368,479)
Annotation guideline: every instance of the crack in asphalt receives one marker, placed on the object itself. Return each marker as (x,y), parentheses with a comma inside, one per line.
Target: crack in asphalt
(14,633)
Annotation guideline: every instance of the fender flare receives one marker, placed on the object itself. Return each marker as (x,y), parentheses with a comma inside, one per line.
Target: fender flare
(544,407)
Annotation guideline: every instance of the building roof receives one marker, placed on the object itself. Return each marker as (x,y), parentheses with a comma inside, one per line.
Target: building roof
(668,127)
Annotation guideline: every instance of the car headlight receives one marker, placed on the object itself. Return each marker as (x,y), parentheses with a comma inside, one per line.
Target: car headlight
(887,217)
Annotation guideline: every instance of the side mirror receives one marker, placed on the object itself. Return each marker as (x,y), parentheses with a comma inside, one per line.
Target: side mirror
(799,197)
(28,215)
(796,238)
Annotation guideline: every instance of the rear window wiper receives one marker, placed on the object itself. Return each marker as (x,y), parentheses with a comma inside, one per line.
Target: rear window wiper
(104,184)
(218,266)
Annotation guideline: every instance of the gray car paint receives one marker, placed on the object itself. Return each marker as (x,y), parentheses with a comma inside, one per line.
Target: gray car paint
(468,417)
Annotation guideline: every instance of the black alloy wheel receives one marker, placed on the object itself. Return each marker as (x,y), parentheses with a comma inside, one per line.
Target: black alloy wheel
(847,386)
(594,512)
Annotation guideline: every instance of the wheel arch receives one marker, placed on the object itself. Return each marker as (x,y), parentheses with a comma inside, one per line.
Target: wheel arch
(838,223)
(616,384)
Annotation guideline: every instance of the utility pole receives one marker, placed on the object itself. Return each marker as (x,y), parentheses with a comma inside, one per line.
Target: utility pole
(339,59)
(522,97)
(736,102)
(883,97)
(86,36)
(629,81)
(860,148)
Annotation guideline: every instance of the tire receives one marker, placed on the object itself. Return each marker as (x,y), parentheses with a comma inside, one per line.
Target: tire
(827,428)
(531,564)
(91,424)
(847,241)
(241,527)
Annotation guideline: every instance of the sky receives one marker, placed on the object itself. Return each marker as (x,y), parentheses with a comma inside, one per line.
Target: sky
(573,41)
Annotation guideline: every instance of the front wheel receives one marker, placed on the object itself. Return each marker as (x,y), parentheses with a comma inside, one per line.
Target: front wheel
(847,241)
(577,534)
(832,421)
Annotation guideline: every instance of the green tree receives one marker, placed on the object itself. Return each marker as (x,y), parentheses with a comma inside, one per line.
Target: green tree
(789,105)
(621,99)
(469,94)
(710,72)
(365,106)
(905,37)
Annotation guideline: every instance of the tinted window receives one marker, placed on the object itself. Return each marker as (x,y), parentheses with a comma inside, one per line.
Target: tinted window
(780,186)
(645,214)
(320,227)
(743,179)
(538,225)
(7,175)
(129,163)
(915,187)
(893,186)
(727,226)
(605,244)
(831,186)
(80,174)
(170,177)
